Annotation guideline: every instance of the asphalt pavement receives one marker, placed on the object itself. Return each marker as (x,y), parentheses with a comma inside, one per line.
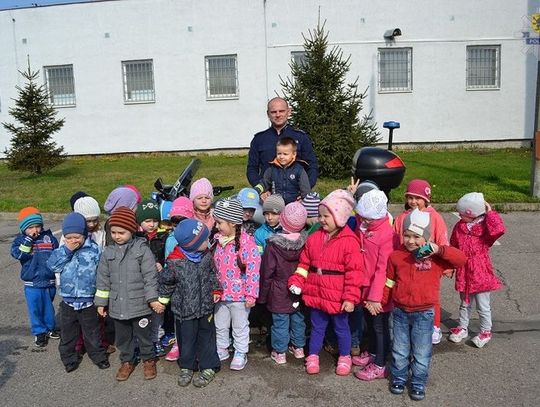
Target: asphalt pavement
(504,373)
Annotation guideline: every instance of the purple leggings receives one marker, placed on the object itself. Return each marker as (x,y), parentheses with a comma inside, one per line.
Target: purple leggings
(340,322)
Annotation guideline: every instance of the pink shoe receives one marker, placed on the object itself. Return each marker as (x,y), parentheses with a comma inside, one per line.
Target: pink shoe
(173,354)
(372,372)
(279,358)
(297,352)
(364,359)
(344,365)
(312,364)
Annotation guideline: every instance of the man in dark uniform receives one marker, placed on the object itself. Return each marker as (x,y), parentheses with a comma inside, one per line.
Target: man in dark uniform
(263,146)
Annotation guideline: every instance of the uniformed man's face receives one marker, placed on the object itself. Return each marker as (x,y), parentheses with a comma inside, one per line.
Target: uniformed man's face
(278,113)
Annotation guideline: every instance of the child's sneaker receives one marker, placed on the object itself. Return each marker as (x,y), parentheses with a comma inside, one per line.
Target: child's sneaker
(372,372)
(168,339)
(159,350)
(204,378)
(41,340)
(223,353)
(364,359)
(482,338)
(238,361)
(53,335)
(457,334)
(344,365)
(312,364)
(184,379)
(279,358)
(173,354)
(297,352)
(436,336)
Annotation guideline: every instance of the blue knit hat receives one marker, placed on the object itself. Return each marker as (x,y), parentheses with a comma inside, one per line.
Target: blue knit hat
(74,222)
(190,234)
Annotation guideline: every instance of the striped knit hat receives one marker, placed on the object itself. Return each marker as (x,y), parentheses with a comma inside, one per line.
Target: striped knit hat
(311,203)
(29,216)
(190,234)
(125,218)
(230,210)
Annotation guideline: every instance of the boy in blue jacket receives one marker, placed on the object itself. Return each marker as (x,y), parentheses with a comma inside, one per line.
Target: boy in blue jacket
(76,262)
(33,247)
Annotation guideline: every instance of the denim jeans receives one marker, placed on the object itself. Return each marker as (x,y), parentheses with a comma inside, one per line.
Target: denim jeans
(379,336)
(412,347)
(356,324)
(288,328)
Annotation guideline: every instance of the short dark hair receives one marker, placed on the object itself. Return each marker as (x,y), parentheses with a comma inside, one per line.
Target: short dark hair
(287,141)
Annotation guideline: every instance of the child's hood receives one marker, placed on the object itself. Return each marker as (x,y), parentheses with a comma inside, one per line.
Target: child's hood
(288,247)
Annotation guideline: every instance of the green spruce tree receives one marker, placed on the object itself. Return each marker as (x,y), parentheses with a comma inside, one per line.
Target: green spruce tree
(326,107)
(32,148)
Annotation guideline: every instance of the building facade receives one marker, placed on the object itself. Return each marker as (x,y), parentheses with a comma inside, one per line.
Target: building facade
(182,75)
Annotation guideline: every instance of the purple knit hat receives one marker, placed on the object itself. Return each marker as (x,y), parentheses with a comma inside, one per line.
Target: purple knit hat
(120,196)
(201,187)
(293,217)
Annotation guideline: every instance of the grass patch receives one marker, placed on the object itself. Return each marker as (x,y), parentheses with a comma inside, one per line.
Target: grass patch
(502,175)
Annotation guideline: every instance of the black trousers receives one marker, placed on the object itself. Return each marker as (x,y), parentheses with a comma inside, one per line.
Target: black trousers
(198,338)
(126,330)
(379,336)
(72,323)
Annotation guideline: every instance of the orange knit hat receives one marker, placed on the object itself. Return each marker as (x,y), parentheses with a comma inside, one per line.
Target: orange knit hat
(29,216)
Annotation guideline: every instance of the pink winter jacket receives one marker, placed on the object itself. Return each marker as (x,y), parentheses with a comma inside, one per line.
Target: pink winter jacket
(477,274)
(438,229)
(238,286)
(377,242)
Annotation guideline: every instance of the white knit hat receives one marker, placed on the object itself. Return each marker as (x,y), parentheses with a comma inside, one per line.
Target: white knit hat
(372,205)
(87,207)
(471,204)
(418,222)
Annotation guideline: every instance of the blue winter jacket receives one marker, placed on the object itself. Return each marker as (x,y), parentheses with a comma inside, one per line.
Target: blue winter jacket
(263,233)
(33,255)
(78,270)
(290,182)
(262,151)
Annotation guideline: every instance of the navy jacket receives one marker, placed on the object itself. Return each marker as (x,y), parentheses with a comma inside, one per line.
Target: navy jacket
(290,182)
(262,151)
(33,255)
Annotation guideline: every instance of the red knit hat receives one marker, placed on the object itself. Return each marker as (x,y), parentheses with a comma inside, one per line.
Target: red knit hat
(419,188)
(125,218)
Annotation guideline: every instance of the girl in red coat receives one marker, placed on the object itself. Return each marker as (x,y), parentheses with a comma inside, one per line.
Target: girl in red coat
(418,196)
(329,276)
(474,234)
(377,242)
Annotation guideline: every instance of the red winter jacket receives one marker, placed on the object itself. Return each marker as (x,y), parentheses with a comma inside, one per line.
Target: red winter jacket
(477,275)
(416,284)
(330,271)
(377,243)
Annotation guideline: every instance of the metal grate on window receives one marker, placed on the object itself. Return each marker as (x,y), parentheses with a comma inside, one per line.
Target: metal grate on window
(60,85)
(138,81)
(221,76)
(299,57)
(395,70)
(483,67)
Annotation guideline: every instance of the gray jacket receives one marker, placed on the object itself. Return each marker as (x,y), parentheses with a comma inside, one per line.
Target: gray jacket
(127,279)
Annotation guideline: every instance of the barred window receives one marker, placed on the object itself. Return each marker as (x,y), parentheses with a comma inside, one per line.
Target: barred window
(483,67)
(221,76)
(299,57)
(138,81)
(60,85)
(395,69)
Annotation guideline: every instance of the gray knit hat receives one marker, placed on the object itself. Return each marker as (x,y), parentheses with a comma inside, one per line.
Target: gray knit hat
(230,210)
(274,203)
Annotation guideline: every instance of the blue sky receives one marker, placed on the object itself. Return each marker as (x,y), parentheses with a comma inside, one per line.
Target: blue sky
(7,4)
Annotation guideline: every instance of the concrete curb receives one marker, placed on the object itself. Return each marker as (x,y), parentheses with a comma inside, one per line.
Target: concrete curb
(394,209)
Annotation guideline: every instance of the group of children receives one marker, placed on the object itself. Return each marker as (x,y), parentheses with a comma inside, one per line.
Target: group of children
(197,272)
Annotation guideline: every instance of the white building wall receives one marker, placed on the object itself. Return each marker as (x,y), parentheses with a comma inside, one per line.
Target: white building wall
(262,34)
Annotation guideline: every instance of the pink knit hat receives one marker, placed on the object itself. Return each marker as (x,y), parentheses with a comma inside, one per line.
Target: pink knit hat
(201,187)
(419,188)
(340,203)
(293,217)
(182,207)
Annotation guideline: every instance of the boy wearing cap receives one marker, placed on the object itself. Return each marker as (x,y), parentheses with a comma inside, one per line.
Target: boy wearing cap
(272,208)
(192,284)
(33,247)
(413,277)
(249,198)
(127,285)
(148,217)
(76,262)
